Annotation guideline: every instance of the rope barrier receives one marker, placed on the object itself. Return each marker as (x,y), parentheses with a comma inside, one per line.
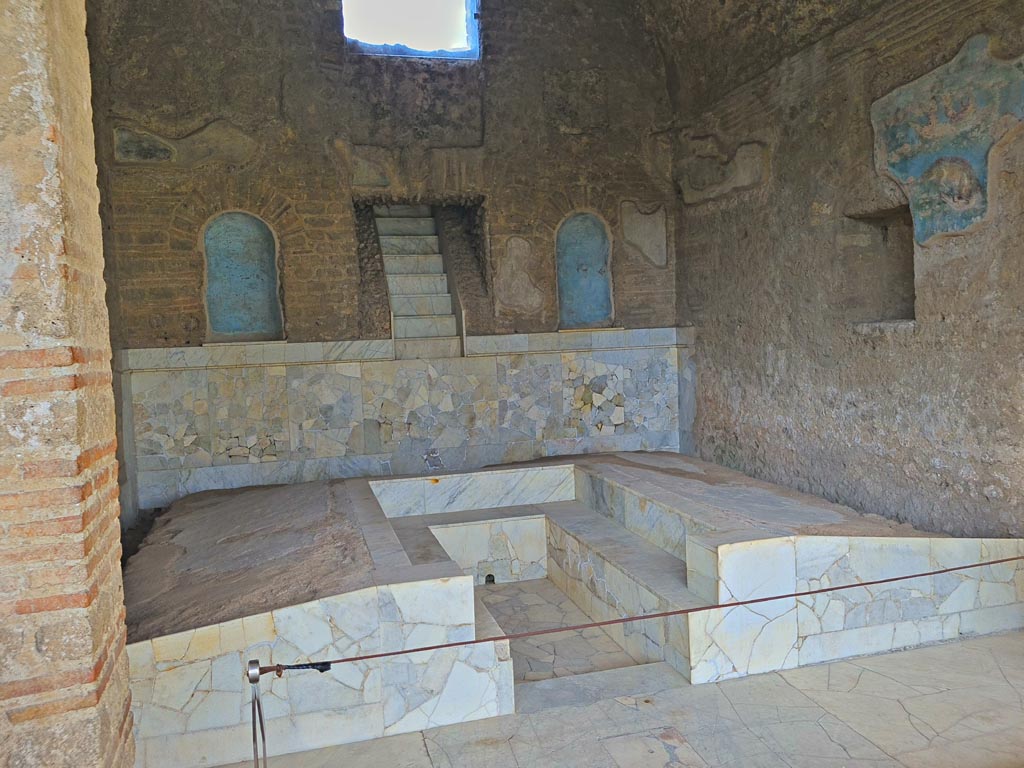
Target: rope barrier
(325,666)
(255,671)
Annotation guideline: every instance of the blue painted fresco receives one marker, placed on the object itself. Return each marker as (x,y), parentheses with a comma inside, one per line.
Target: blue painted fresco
(584,280)
(241,278)
(934,135)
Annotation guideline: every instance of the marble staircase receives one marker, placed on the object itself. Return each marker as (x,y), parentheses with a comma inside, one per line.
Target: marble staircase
(424,320)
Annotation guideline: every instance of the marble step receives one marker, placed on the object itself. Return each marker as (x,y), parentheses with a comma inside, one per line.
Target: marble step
(403,285)
(414,265)
(639,681)
(416,349)
(405,225)
(421,304)
(425,326)
(402,211)
(417,245)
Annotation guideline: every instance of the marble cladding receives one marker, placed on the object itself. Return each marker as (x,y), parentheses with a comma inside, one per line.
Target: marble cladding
(615,553)
(604,590)
(191,704)
(474,490)
(790,632)
(236,415)
(905,613)
(509,550)
(657,523)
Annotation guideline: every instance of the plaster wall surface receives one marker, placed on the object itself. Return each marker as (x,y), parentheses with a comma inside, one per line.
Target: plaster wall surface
(917,420)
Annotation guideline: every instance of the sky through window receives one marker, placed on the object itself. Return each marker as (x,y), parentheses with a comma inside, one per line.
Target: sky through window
(417,25)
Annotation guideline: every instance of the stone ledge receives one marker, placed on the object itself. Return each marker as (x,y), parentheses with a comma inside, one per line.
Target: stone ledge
(249,354)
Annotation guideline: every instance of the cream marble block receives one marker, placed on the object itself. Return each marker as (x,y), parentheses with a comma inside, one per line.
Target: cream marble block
(509,550)
(488,489)
(702,568)
(191,703)
(732,642)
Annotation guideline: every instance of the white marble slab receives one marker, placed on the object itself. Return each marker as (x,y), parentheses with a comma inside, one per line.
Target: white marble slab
(487,489)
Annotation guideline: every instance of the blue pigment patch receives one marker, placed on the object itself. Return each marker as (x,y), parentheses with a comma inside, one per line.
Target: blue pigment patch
(241,278)
(584,279)
(934,135)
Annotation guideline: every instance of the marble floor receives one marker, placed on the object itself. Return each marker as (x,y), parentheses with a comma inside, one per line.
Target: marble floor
(957,705)
(538,604)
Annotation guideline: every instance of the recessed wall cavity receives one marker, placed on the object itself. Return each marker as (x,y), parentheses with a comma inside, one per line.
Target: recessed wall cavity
(242,301)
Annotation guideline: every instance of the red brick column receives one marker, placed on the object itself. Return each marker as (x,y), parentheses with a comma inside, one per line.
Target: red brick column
(63,669)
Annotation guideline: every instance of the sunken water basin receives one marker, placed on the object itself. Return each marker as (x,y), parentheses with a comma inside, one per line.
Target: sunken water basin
(346,568)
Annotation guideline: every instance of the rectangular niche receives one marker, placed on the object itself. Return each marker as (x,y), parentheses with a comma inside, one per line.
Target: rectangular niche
(878,258)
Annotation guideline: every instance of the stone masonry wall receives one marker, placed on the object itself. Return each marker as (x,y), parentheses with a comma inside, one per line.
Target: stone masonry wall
(918,420)
(260,106)
(64,680)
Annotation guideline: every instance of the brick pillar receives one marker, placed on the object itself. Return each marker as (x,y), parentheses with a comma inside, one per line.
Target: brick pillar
(63,669)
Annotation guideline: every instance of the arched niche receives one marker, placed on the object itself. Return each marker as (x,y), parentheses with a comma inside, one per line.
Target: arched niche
(583,253)
(242,296)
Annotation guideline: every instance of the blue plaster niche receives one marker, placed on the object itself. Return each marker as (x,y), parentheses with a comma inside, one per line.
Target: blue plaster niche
(934,135)
(241,279)
(584,278)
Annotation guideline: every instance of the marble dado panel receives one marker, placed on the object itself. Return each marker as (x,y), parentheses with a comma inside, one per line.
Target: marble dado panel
(484,490)
(238,415)
(609,393)
(509,550)
(191,704)
(788,632)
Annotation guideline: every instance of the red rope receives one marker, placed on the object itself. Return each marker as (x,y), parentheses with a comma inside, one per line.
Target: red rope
(280,669)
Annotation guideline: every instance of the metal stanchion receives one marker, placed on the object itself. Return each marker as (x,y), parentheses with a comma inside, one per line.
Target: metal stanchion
(253,673)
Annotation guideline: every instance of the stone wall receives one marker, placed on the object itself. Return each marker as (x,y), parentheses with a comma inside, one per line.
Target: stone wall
(784,191)
(64,681)
(262,108)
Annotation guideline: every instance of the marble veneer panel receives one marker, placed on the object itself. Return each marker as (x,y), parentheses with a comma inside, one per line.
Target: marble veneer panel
(786,633)
(171,417)
(249,414)
(215,416)
(658,523)
(905,613)
(611,393)
(488,489)
(415,406)
(509,550)
(745,640)
(325,410)
(604,590)
(191,705)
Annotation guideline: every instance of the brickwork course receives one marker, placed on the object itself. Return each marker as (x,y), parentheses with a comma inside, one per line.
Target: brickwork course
(63,677)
